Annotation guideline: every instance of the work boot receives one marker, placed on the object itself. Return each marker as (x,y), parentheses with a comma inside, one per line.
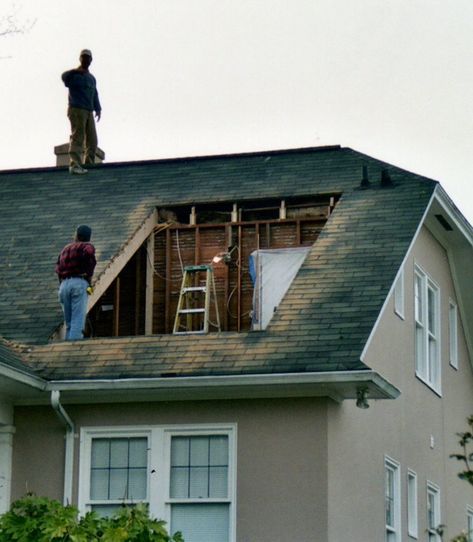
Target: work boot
(77,170)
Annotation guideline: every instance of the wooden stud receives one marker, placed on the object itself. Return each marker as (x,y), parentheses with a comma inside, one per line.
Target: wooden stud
(116,308)
(167,295)
(149,285)
(240,233)
(138,290)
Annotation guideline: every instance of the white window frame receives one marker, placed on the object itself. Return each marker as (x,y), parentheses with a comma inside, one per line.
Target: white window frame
(427,357)
(399,295)
(159,463)
(412,507)
(87,436)
(434,491)
(393,532)
(453,333)
(469,523)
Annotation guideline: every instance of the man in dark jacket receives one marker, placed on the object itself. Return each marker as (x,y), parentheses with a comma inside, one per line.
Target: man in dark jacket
(83,101)
(75,267)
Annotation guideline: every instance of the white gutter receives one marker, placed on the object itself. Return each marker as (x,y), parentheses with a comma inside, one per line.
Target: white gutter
(69,449)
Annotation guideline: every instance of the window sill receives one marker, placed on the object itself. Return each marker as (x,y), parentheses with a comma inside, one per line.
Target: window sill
(437,392)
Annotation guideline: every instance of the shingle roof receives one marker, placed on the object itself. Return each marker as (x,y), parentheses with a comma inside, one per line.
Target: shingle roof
(348,272)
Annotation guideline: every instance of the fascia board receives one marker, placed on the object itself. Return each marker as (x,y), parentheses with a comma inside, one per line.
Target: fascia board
(22,377)
(459,221)
(337,385)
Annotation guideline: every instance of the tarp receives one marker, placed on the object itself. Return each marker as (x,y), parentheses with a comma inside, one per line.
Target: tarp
(272,272)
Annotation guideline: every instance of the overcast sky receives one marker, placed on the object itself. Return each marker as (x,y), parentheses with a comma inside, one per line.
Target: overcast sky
(391,78)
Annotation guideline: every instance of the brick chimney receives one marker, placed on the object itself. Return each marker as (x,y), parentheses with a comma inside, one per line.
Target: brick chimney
(62,155)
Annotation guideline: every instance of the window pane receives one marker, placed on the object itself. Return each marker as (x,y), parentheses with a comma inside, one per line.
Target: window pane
(218,482)
(138,452)
(199,483)
(433,365)
(99,484)
(420,351)
(137,484)
(201,522)
(389,497)
(179,483)
(100,453)
(219,450)
(180,451)
(432,317)
(118,484)
(118,452)
(199,451)
(105,510)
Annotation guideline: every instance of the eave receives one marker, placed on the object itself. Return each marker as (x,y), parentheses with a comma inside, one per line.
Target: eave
(338,386)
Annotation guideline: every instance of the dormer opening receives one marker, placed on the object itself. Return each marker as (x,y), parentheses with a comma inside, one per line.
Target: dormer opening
(223,235)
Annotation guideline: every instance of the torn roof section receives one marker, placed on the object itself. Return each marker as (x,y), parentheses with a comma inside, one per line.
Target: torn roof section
(349,269)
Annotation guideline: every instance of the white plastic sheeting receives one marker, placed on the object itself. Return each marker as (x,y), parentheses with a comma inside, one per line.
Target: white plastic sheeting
(272,272)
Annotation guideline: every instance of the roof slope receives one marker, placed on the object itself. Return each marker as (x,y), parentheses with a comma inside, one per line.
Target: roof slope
(348,272)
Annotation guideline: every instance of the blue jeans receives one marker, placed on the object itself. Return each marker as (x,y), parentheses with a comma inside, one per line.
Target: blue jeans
(73,298)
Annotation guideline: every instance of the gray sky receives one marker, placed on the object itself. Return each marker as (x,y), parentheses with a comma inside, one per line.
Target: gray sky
(391,78)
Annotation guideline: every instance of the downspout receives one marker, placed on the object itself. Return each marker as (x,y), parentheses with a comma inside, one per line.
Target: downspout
(69,449)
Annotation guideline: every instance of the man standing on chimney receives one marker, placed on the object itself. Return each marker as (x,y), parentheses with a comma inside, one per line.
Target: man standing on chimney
(75,267)
(83,102)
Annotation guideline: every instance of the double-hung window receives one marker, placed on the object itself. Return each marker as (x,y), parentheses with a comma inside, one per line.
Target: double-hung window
(412,516)
(117,471)
(186,475)
(392,504)
(433,512)
(199,497)
(427,329)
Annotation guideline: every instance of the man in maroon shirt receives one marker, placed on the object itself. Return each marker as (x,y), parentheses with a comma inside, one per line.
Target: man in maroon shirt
(75,268)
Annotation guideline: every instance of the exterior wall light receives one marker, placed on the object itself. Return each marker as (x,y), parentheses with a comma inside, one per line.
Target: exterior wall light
(362,398)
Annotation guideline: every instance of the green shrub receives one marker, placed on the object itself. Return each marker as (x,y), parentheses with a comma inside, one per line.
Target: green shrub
(39,519)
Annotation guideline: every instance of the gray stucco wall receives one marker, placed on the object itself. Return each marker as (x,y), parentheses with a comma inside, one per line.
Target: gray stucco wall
(281,457)
(417,430)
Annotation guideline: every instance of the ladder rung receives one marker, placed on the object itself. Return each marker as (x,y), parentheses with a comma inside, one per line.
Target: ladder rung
(193,268)
(191,311)
(194,289)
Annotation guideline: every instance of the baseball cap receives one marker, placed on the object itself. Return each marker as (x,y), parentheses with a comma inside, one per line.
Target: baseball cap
(86,52)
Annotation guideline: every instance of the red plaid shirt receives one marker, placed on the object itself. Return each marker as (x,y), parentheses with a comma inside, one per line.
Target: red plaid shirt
(76,260)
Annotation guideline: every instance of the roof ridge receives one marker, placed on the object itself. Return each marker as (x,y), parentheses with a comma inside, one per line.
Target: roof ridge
(295,150)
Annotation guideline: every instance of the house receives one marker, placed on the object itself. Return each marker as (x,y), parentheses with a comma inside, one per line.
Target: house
(330,417)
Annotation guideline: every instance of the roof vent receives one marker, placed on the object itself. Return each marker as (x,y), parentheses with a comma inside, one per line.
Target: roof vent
(365,182)
(444,222)
(386,181)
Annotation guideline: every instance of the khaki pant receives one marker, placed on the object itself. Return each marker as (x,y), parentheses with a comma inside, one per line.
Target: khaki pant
(83,140)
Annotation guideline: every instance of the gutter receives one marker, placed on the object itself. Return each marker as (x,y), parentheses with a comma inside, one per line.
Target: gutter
(341,384)
(69,450)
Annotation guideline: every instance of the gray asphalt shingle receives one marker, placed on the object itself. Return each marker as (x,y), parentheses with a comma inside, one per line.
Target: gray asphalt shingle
(325,317)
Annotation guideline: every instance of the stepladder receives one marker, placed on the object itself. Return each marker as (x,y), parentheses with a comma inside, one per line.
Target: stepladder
(196,297)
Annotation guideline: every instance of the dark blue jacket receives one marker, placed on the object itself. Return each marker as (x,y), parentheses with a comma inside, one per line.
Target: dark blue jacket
(82,90)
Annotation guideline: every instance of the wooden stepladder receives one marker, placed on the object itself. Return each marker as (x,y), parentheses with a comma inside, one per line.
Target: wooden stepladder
(193,308)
